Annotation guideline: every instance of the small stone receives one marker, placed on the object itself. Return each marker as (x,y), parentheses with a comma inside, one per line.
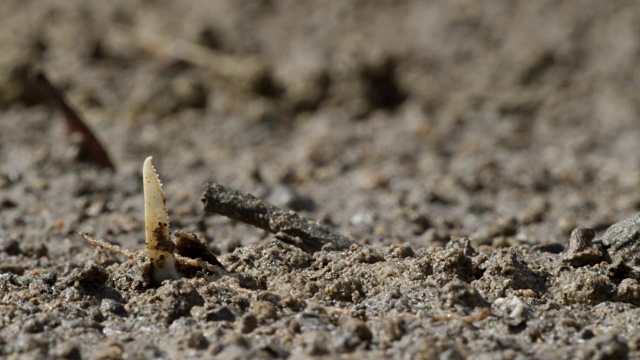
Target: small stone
(629,291)
(580,239)
(581,251)
(512,310)
(622,240)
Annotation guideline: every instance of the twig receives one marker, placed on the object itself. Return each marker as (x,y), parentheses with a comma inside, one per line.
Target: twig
(107,246)
(287,225)
(185,260)
(90,147)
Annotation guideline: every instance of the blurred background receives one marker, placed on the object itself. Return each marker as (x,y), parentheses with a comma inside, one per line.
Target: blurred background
(394,122)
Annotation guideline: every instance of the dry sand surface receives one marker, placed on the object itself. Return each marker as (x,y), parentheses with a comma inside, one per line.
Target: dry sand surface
(475,153)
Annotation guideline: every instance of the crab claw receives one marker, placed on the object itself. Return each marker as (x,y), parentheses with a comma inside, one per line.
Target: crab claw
(160,247)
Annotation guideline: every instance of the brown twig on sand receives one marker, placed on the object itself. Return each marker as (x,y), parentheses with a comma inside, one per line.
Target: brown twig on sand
(90,147)
(108,246)
(287,225)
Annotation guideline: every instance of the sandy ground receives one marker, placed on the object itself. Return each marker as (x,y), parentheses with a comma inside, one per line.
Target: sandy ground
(477,151)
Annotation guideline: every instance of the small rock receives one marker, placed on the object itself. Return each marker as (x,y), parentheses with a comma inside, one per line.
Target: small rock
(580,239)
(629,291)
(622,240)
(581,251)
(512,310)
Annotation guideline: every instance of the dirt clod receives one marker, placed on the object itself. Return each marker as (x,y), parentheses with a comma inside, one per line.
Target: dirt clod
(581,251)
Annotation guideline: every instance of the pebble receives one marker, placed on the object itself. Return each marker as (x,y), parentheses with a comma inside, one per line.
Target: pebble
(581,251)
(622,241)
(512,310)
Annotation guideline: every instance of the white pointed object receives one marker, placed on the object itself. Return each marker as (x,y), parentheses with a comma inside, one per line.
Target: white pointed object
(160,247)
